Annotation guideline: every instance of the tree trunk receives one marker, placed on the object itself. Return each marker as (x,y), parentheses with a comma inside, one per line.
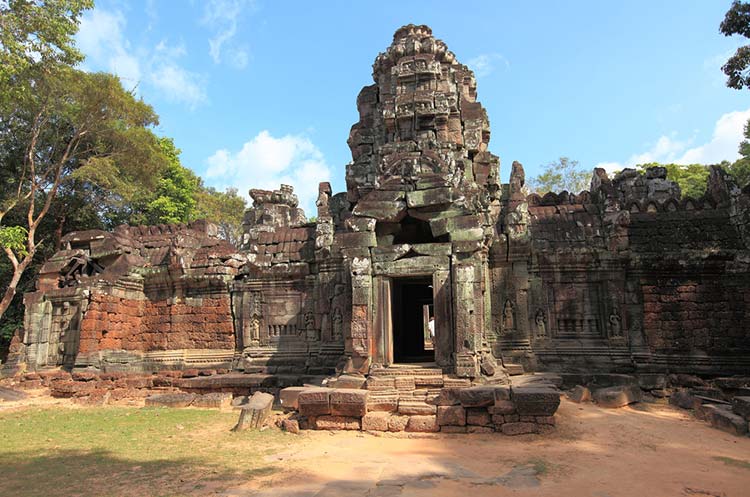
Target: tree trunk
(59,231)
(10,292)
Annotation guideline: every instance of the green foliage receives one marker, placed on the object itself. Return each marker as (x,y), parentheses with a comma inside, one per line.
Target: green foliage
(692,178)
(737,68)
(14,238)
(562,175)
(740,169)
(37,34)
(225,209)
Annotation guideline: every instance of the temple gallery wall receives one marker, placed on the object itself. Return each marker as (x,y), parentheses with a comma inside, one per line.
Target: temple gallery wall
(426,260)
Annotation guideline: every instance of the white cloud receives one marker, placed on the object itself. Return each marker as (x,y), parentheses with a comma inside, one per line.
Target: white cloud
(723,145)
(266,162)
(485,64)
(222,17)
(101,38)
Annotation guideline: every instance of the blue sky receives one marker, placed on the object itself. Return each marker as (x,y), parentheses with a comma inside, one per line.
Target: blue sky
(257,92)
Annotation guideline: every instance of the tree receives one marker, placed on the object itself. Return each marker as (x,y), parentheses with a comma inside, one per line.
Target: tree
(692,178)
(226,209)
(37,34)
(737,68)
(562,175)
(740,169)
(73,127)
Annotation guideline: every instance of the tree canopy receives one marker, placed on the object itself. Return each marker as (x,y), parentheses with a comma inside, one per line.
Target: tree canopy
(561,175)
(737,22)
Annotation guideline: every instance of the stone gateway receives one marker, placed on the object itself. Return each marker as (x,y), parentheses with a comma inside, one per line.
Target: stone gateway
(628,277)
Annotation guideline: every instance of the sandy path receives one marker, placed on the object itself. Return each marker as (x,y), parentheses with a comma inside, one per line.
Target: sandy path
(653,450)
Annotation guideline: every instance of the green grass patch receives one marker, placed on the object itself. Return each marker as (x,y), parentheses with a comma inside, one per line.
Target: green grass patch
(734,462)
(541,466)
(128,451)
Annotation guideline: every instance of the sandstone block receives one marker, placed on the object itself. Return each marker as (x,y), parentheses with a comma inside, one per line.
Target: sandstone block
(617,396)
(254,414)
(171,400)
(385,403)
(722,418)
(477,416)
(447,397)
(480,396)
(453,429)
(314,401)
(535,401)
(290,425)
(546,420)
(480,429)
(519,428)
(213,400)
(350,381)
(652,381)
(682,399)
(579,394)
(375,421)
(84,376)
(498,419)
(502,407)
(422,424)
(348,402)
(288,397)
(741,407)
(451,415)
(415,408)
(328,422)
(397,422)
(502,393)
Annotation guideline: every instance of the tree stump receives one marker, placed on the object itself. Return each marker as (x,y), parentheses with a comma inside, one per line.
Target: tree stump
(255,412)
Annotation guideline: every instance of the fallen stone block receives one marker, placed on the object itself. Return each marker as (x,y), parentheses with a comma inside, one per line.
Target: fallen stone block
(652,381)
(171,400)
(535,401)
(448,396)
(8,394)
(579,394)
(288,397)
(481,396)
(683,399)
(350,381)
(254,414)
(518,428)
(290,425)
(213,400)
(722,418)
(422,424)
(685,380)
(732,382)
(375,421)
(741,407)
(328,422)
(617,396)
(84,376)
(314,401)
(348,402)
(451,415)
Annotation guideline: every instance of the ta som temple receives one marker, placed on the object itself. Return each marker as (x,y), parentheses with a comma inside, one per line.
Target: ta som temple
(420,292)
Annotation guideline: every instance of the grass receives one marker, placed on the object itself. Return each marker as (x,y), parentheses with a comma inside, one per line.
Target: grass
(118,451)
(729,461)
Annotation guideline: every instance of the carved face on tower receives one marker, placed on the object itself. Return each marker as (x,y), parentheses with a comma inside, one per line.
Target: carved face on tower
(420,123)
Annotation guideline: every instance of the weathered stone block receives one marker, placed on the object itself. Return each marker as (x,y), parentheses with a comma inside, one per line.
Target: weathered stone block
(451,415)
(375,421)
(397,422)
(348,402)
(652,381)
(379,401)
(254,414)
(314,401)
(502,407)
(447,397)
(535,401)
(171,400)
(741,407)
(328,422)
(213,400)
(617,396)
(412,408)
(453,429)
(481,396)
(349,381)
(502,392)
(290,425)
(722,418)
(579,394)
(84,376)
(422,424)
(682,399)
(288,397)
(519,428)
(546,420)
(478,416)
(480,429)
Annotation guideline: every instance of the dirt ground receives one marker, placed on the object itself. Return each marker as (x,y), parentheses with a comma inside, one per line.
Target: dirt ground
(651,450)
(648,450)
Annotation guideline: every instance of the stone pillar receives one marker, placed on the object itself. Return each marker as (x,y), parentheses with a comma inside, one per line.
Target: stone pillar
(465,320)
(358,343)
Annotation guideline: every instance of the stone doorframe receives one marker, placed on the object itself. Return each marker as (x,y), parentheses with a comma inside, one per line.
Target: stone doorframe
(439,268)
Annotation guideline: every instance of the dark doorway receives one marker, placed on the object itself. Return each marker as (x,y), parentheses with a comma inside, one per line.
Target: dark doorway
(413,310)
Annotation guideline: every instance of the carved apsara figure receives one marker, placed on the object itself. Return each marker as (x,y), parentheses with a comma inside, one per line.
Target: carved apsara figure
(509,321)
(615,328)
(541,324)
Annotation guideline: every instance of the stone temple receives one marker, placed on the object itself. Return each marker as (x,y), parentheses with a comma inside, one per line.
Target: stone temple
(427,269)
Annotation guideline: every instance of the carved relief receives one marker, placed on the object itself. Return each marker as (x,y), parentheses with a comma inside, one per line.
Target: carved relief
(540,320)
(509,319)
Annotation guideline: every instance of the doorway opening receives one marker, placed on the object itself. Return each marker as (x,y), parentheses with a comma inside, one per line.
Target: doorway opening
(413,320)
